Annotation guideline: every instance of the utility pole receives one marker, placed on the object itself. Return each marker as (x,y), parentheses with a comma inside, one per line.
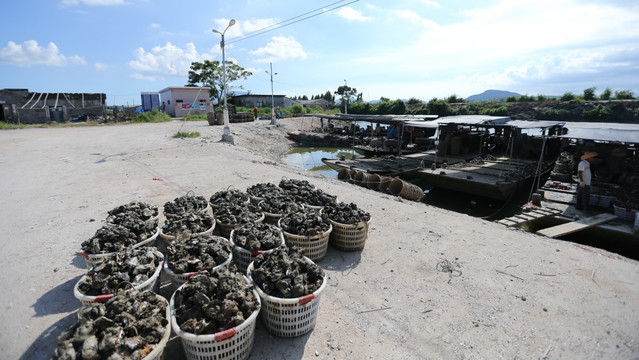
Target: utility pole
(226,135)
(273,119)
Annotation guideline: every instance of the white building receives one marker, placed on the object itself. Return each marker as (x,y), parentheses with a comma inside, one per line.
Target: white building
(177,101)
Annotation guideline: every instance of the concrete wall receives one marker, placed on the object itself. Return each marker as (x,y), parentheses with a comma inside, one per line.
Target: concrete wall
(177,100)
(37,108)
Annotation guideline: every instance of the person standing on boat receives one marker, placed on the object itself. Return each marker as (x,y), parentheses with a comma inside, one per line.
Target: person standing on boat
(585,178)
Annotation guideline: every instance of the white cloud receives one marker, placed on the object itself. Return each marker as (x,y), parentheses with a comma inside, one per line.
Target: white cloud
(155,26)
(168,60)
(30,53)
(93,2)
(351,14)
(280,48)
(430,3)
(102,66)
(254,25)
(414,18)
(139,76)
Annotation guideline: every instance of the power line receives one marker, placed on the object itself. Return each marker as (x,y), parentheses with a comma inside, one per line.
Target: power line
(289,21)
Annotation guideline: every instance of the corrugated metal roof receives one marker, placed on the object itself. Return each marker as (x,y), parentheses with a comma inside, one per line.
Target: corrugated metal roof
(600,131)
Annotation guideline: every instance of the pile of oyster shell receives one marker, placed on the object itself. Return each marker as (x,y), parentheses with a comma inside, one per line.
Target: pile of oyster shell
(198,253)
(257,236)
(128,326)
(185,204)
(131,267)
(263,189)
(296,185)
(278,203)
(236,214)
(209,303)
(231,196)
(111,238)
(306,222)
(191,223)
(285,273)
(315,197)
(137,209)
(344,213)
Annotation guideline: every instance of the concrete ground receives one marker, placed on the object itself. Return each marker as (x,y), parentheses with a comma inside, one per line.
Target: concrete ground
(430,283)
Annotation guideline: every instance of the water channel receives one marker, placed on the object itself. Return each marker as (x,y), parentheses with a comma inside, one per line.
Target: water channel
(310,158)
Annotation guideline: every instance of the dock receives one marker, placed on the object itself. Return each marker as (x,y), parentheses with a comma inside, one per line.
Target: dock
(524,217)
(574,226)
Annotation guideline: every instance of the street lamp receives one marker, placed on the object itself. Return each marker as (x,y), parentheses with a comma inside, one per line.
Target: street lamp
(273,120)
(345,92)
(226,135)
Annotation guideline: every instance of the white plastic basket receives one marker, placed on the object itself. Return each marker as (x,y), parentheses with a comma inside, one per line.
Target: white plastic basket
(158,350)
(242,257)
(624,214)
(231,344)
(271,218)
(178,279)
(349,237)
(88,299)
(289,317)
(317,207)
(91,259)
(314,247)
(225,229)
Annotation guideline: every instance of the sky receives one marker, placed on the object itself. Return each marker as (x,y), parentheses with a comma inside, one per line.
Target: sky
(398,49)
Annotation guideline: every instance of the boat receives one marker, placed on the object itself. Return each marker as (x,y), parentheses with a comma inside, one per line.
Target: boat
(494,157)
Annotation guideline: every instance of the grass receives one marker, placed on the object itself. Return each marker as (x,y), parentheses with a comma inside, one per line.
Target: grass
(184,134)
(153,116)
(195,117)
(7,126)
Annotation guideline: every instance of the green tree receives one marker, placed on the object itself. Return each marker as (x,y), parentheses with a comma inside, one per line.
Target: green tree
(606,94)
(589,93)
(329,97)
(438,107)
(346,92)
(209,73)
(455,99)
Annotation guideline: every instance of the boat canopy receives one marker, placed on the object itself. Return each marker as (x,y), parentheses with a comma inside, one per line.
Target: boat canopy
(382,119)
(600,131)
(471,120)
(534,124)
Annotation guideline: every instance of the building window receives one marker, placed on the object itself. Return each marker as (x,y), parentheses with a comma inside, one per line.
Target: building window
(259,104)
(178,101)
(168,102)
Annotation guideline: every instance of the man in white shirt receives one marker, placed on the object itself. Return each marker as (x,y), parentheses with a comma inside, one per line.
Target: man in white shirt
(585,178)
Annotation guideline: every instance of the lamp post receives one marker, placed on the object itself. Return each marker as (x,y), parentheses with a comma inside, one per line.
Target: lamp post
(226,135)
(346,92)
(273,120)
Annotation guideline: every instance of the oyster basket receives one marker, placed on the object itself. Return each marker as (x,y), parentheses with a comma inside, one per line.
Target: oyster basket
(349,237)
(271,218)
(88,299)
(225,229)
(242,257)
(178,279)
(231,344)
(166,239)
(624,214)
(314,247)
(289,317)
(91,259)
(317,207)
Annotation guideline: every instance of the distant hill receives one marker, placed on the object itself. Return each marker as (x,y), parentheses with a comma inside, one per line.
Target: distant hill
(491,95)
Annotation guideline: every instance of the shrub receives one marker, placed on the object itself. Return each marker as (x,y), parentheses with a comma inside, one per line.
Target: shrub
(296,109)
(151,117)
(599,112)
(567,96)
(623,95)
(606,94)
(526,98)
(438,107)
(589,93)
(511,99)
(541,97)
